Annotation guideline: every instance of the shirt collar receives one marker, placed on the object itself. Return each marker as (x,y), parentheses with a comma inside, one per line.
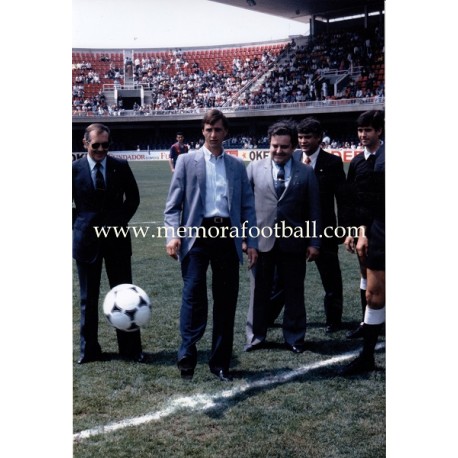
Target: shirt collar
(208,154)
(313,157)
(368,153)
(287,165)
(92,162)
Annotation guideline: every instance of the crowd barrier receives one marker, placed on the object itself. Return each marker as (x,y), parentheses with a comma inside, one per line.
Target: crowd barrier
(249,155)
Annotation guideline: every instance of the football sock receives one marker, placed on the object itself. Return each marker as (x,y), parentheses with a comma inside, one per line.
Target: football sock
(374,316)
(362,291)
(373,322)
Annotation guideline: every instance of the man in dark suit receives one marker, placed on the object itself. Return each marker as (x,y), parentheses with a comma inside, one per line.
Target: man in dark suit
(359,177)
(288,215)
(209,198)
(368,200)
(105,193)
(330,175)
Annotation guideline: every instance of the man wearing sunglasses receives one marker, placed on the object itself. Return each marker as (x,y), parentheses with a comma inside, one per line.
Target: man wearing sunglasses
(105,193)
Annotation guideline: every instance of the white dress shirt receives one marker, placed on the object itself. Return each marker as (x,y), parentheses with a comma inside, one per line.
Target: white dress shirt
(368,153)
(313,157)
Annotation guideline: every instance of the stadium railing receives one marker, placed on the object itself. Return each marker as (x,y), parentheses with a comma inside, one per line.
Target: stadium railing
(326,105)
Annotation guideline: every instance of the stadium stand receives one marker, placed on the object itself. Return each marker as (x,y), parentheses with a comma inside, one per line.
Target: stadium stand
(329,68)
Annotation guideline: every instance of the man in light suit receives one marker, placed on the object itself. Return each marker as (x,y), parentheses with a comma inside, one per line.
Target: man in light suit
(105,193)
(330,175)
(288,216)
(209,198)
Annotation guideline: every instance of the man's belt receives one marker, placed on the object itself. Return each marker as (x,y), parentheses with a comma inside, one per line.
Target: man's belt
(216,221)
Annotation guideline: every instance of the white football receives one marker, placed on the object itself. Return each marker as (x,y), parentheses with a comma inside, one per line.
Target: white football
(127,307)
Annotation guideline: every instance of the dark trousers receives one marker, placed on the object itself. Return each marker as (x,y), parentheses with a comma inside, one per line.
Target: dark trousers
(290,270)
(331,277)
(119,271)
(221,255)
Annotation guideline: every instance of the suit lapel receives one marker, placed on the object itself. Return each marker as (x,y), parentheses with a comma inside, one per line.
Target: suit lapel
(86,176)
(320,161)
(229,167)
(86,170)
(268,176)
(294,175)
(110,173)
(199,163)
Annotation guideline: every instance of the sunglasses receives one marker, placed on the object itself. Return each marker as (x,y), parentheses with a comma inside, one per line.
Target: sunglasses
(104,145)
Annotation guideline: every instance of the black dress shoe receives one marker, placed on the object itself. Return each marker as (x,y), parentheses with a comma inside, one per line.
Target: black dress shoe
(333,327)
(298,348)
(222,374)
(356,333)
(360,365)
(186,367)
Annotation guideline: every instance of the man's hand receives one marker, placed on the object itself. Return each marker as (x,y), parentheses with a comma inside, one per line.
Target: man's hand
(173,247)
(361,248)
(350,244)
(252,257)
(312,253)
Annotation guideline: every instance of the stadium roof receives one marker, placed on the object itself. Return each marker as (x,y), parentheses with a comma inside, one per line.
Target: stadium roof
(303,10)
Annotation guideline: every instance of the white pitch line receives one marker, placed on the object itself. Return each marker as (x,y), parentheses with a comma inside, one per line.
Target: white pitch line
(204,402)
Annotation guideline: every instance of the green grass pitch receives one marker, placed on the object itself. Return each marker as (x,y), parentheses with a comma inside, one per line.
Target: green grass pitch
(316,414)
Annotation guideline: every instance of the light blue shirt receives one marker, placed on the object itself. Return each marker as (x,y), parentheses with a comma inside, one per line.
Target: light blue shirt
(287,166)
(216,202)
(103,169)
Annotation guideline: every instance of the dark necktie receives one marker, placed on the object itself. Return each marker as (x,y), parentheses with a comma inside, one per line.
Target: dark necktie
(307,160)
(99,180)
(280,183)
(371,161)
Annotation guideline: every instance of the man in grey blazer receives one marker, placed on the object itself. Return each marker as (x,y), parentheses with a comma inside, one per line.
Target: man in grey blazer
(209,210)
(287,205)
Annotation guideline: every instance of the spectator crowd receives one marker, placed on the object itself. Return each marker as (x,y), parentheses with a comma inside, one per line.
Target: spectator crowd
(238,78)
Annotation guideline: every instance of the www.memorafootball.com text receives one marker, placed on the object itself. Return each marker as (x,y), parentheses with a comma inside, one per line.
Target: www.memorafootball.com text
(280,230)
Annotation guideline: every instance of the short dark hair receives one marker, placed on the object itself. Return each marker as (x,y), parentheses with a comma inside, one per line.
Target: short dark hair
(180,133)
(310,126)
(373,118)
(213,116)
(284,127)
(97,127)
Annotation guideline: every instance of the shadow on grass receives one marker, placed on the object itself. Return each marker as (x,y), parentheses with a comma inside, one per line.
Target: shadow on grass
(260,382)
(160,358)
(346,326)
